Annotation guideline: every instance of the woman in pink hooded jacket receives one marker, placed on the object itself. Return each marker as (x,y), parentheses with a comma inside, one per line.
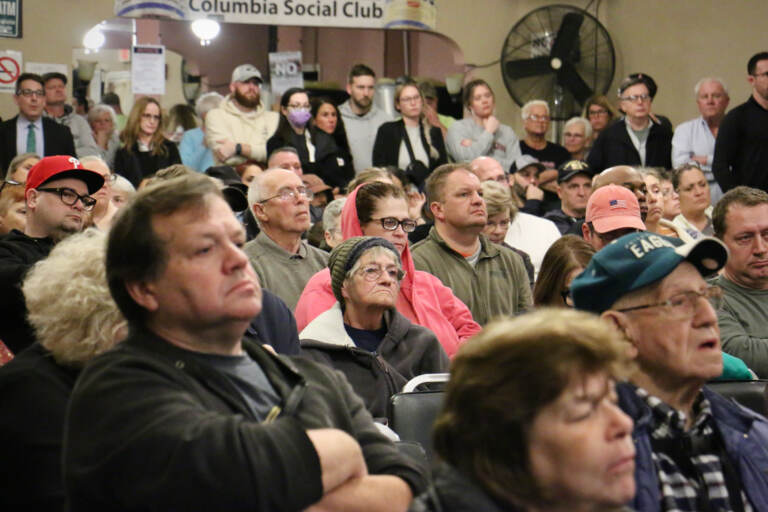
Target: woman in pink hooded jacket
(372,209)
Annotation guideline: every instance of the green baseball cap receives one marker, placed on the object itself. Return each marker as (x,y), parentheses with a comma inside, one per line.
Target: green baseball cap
(637,260)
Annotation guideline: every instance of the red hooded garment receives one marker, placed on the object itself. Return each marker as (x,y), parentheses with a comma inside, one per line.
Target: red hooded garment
(423,298)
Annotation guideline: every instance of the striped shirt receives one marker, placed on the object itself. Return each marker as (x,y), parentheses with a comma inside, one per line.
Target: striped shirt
(684,483)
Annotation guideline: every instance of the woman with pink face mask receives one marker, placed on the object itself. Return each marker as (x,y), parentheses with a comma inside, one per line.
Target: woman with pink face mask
(317,150)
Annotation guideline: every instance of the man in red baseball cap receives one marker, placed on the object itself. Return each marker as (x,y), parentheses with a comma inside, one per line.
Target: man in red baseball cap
(57,198)
(612,212)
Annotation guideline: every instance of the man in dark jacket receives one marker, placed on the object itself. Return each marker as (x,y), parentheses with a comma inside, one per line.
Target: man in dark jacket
(741,146)
(640,138)
(695,449)
(29,131)
(189,415)
(57,199)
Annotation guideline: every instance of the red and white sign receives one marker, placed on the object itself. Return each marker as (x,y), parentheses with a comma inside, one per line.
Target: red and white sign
(10,69)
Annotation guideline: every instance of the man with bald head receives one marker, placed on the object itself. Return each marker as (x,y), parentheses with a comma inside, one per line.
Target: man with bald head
(627,177)
(694,140)
(283,261)
(487,168)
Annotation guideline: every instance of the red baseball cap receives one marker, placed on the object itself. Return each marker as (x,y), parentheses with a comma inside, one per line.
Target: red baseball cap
(613,207)
(59,167)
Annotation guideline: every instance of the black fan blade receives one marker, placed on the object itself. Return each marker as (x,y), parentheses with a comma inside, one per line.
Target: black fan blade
(569,78)
(524,68)
(567,36)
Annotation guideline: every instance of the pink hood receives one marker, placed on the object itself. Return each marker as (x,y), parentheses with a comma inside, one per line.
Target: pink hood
(434,305)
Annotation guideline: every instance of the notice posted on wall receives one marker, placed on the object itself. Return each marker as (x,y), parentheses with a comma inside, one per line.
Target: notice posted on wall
(148,69)
(285,71)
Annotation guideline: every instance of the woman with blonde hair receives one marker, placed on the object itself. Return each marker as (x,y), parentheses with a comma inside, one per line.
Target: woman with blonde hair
(410,143)
(103,122)
(501,213)
(145,149)
(20,166)
(75,319)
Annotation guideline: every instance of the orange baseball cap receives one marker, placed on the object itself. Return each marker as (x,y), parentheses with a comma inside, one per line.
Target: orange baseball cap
(613,207)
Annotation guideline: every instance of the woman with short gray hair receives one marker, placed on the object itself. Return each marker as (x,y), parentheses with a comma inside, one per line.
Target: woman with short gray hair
(103,122)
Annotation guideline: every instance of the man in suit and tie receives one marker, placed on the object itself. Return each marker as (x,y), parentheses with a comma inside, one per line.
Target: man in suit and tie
(29,131)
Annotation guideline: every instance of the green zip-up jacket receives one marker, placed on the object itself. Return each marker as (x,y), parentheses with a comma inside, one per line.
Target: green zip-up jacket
(496,286)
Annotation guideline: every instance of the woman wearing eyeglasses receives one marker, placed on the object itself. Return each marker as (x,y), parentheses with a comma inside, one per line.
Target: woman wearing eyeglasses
(144,150)
(638,139)
(363,335)
(317,150)
(380,209)
(410,143)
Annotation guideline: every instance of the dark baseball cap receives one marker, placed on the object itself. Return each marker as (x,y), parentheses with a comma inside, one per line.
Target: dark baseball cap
(637,260)
(571,168)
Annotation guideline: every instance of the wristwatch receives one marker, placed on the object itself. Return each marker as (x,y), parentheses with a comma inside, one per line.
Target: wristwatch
(238,149)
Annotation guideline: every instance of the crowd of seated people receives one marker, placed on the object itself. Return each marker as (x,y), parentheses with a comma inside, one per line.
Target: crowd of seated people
(276,290)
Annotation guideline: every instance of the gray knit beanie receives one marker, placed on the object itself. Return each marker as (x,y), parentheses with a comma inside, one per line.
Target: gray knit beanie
(344,256)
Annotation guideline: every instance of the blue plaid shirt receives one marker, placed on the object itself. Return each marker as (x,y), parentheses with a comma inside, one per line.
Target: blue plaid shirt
(679,489)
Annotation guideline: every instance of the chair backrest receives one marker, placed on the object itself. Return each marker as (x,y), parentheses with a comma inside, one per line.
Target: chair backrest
(752,394)
(428,379)
(412,415)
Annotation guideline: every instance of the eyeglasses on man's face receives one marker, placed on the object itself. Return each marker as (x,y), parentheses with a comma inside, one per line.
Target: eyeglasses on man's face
(684,303)
(31,92)
(291,194)
(69,197)
(634,98)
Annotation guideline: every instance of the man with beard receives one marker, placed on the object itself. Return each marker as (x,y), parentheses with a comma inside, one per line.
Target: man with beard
(239,128)
(490,279)
(741,152)
(361,117)
(57,197)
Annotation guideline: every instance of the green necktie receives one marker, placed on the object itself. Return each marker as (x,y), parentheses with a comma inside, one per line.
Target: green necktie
(31,139)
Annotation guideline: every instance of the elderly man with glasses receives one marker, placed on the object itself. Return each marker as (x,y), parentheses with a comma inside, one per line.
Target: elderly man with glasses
(30,131)
(57,195)
(696,450)
(640,139)
(284,262)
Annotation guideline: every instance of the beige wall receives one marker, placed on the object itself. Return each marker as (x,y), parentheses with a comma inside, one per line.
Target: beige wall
(676,42)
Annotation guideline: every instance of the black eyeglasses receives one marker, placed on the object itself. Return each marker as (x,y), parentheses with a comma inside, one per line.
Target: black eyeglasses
(9,182)
(69,197)
(391,223)
(31,92)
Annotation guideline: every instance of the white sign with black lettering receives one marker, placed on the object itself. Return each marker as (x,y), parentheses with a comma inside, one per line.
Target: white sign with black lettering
(285,71)
(148,69)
